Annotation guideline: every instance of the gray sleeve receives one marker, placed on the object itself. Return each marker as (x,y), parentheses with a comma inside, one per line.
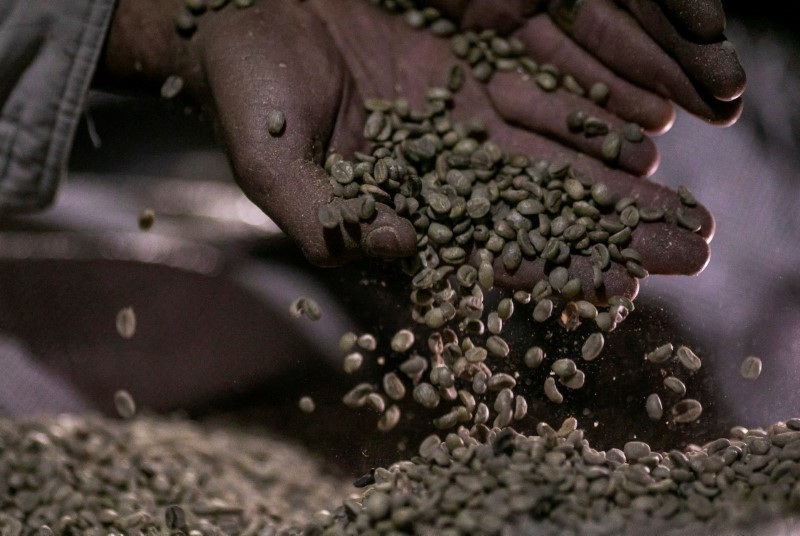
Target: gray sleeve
(48,53)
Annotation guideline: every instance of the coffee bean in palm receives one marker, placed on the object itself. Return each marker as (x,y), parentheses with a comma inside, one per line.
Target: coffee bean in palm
(276,122)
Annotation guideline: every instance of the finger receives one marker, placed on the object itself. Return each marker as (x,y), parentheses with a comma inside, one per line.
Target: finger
(713,66)
(648,194)
(700,20)
(617,40)
(280,172)
(667,249)
(666,245)
(503,17)
(548,44)
(524,103)
(616,280)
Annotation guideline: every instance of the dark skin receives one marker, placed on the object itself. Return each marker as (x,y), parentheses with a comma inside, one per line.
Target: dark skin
(317,60)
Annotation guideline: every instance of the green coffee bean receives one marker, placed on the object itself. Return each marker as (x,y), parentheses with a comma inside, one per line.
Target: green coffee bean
(494,323)
(620,238)
(543,310)
(592,346)
(594,126)
(686,196)
(520,407)
(368,207)
(185,22)
(575,120)
(564,367)
(687,221)
(455,77)
(402,341)
(629,216)
(389,419)
(500,381)
(597,277)
(367,342)
(660,355)
(347,341)
(276,122)
(511,256)
(571,289)
(688,358)
(466,275)
(651,214)
(481,413)
(558,278)
(124,404)
(496,346)
(520,296)
(675,385)
(305,306)
(329,217)
(605,322)
(598,93)
(546,81)
(393,386)
(505,309)
(435,318)
(636,270)
(654,408)
(534,357)
(426,395)
(482,71)
(551,391)
(687,410)
(306,404)
(476,354)
(352,362)
(632,132)
(486,275)
(586,309)
(376,402)
(126,322)
(575,381)
(750,368)
(610,148)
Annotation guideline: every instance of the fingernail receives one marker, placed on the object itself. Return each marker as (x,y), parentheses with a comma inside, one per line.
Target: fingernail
(383,242)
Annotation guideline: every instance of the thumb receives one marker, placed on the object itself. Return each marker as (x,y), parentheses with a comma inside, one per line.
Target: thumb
(275,114)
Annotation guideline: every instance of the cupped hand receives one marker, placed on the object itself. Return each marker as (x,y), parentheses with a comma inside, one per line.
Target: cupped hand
(316,61)
(648,52)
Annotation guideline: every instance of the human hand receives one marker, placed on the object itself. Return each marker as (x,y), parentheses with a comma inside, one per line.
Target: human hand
(316,62)
(645,51)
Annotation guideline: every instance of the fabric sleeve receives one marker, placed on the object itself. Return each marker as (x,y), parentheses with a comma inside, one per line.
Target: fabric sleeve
(48,53)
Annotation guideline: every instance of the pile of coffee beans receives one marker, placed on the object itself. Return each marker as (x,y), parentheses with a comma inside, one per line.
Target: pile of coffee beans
(553,482)
(87,475)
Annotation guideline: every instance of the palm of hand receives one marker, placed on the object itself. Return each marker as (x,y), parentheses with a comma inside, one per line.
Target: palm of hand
(318,60)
